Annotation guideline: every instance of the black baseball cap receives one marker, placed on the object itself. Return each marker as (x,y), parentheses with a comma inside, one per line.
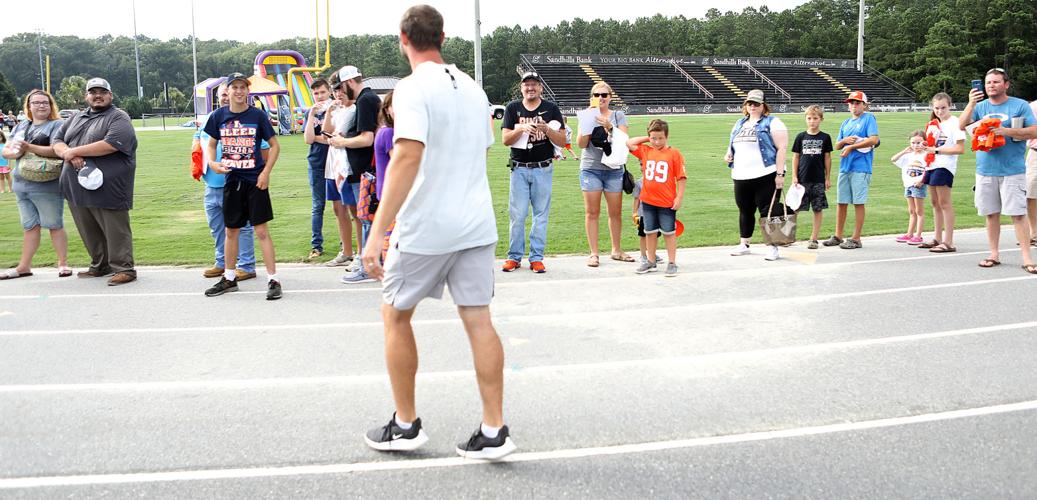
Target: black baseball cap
(231,78)
(531,75)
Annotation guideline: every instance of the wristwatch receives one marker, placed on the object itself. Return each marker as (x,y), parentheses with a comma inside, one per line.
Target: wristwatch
(781,174)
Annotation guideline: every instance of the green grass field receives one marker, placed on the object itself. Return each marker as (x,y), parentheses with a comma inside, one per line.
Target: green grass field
(169,223)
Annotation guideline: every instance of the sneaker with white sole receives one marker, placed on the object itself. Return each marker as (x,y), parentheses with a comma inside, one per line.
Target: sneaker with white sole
(353,266)
(356,277)
(646,267)
(772,253)
(391,437)
(671,270)
(340,260)
(740,249)
(482,447)
(221,287)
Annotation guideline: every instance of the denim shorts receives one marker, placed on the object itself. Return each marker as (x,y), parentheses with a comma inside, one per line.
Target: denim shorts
(659,219)
(916,192)
(853,187)
(41,209)
(610,180)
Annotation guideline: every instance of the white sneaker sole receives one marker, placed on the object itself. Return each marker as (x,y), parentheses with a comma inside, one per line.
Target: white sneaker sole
(739,253)
(490,453)
(646,271)
(399,444)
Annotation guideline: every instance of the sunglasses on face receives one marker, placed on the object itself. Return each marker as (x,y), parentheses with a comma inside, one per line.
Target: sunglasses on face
(602,94)
(753,104)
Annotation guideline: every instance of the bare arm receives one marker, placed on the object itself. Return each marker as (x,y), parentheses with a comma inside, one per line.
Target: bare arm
(271,157)
(508,135)
(214,162)
(634,142)
(97,148)
(308,134)
(965,118)
(781,143)
(795,167)
(680,194)
(828,170)
(365,139)
(399,179)
(1022,134)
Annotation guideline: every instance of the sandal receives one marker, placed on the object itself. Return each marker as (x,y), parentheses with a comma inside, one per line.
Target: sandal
(931,244)
(622,257)
(1030,268)
(13,273)
(943,248)
(64,272)
(592,261)
(989,263)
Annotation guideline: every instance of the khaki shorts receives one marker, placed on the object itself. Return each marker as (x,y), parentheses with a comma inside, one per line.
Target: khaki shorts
(1005,195)
(410,277)
(1031,173)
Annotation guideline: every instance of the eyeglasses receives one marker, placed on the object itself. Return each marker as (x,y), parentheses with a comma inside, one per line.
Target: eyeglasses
(603,94)
(39,103)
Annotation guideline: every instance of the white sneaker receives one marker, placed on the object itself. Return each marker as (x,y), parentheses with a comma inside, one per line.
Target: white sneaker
(772,253)
(740,249)
(353,266)
(340,260)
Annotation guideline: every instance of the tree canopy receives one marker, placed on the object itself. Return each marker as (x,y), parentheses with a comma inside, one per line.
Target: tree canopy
(928,46)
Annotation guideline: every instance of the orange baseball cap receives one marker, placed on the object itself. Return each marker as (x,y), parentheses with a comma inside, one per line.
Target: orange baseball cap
(857,95)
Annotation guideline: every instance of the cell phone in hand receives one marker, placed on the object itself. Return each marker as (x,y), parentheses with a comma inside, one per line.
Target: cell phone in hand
(325,134)
(978,85)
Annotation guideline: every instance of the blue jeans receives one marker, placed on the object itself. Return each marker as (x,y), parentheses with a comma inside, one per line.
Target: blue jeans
(246,244)
(317,187)
(529,187)
(365,225)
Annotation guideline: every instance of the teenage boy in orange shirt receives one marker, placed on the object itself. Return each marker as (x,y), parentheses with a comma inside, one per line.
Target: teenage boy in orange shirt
(661,192)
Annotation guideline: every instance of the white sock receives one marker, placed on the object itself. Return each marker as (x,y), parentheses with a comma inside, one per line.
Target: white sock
(403,425)
(272,277)
(230,274)
(490,432)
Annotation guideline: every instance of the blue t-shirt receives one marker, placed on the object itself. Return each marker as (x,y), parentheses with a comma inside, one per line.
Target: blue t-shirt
(865,126)
(241,135)
(210,177)
(1009,159)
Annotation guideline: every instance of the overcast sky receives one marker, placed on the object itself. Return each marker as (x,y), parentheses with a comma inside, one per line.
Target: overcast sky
(270,20)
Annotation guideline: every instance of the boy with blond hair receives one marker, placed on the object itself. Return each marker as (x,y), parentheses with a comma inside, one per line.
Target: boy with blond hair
(662,190)
(812,156)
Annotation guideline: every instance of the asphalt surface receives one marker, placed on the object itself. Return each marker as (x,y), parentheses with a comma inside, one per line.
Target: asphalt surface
(886,372)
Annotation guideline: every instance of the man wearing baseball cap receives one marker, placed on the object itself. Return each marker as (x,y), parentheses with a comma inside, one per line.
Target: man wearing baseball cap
(101,138)
(539,123)
(858,136)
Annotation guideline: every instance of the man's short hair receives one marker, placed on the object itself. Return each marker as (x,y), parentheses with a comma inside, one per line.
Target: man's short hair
(423,25)
(320,82)
(658,125)
(998,71)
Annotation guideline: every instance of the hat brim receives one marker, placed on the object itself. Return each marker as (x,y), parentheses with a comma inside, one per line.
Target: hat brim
(757,101)
(98,87)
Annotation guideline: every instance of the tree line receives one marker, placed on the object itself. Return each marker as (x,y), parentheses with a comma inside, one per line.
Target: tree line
(928,46)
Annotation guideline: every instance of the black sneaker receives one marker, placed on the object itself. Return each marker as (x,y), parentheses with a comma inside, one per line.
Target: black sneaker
(480,446)
(273,290)
(390,437)
(221,287)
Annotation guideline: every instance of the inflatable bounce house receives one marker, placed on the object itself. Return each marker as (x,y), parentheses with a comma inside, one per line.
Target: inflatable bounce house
(265,94)
(274,65)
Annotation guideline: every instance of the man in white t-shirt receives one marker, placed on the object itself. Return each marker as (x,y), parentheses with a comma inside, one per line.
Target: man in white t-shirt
(437,191)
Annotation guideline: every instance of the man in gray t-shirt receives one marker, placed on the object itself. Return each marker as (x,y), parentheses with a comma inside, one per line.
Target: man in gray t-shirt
(101,138)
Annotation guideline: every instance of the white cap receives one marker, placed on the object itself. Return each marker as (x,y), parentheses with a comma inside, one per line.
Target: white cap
(90,177)
(794,198)
(95,83)
(348,73)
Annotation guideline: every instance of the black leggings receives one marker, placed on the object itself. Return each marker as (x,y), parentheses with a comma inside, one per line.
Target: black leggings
(752,195)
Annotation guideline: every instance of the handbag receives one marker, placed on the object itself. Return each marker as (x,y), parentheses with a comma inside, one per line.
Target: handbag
(628,181)
(367,205)
(35,168)
(778,230)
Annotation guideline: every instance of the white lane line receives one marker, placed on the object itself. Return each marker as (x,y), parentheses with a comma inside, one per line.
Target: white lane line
(747,303)
(510,284)
(671,364)
(536,456)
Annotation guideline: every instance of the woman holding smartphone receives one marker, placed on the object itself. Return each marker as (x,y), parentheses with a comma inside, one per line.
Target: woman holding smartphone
(597,178)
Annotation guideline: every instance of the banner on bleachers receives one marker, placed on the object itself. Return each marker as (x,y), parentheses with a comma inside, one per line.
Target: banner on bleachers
(690,60)
(699,109)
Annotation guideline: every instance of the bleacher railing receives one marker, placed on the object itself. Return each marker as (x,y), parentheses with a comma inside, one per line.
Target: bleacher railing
(889,81)
(691,79)
(768,81)
(550,94)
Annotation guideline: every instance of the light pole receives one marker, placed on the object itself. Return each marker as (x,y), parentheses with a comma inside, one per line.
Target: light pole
(136,51)
(860,37)
(478,46)
(39,52)
(194,49)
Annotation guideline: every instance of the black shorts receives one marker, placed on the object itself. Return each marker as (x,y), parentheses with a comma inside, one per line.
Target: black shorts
(244,203)
(814,197)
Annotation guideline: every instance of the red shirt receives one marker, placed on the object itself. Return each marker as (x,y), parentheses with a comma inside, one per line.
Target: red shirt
(661,171)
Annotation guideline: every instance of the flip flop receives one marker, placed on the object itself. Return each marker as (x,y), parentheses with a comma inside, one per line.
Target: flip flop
(930,244)
(622,257)
(1030,268)
(64,272)
(592,261)
(943,248)
(989,263)
(13,273)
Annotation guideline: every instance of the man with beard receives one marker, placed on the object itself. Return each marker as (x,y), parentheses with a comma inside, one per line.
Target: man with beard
(99,147)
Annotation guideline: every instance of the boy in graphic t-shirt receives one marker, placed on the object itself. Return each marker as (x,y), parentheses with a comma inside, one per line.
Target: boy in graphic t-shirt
(661,191)
(240,129)
(812,156)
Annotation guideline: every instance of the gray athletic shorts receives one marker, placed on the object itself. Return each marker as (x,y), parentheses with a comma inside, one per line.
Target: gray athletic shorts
(1031,173)
(1005,195)
(411,277)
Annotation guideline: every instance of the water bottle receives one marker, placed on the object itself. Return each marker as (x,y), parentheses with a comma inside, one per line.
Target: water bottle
(18,140)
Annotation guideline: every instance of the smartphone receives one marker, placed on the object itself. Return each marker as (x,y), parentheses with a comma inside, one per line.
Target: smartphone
(325,134)
(978,85)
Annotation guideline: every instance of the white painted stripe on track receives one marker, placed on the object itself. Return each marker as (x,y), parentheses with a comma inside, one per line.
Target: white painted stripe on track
(536,456)
(672,363)
(755,303)
(373,287)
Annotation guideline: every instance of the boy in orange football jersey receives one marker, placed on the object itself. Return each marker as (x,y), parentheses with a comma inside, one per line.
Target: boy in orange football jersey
(662,190)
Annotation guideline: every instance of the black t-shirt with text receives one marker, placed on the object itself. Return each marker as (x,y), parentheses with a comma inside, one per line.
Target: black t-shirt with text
(362,159)
(539,147)
(812,150)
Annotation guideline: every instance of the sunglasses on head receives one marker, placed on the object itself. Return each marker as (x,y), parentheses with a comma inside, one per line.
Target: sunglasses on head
(600,94)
